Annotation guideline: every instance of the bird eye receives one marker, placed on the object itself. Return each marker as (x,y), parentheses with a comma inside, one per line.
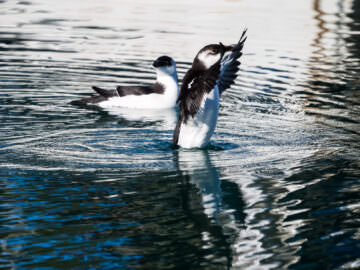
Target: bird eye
(214,51)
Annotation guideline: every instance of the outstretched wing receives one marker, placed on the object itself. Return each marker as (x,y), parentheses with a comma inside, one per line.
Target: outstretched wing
(230,65)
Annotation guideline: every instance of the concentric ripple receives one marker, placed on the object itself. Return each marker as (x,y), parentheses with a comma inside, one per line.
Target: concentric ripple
(86,188)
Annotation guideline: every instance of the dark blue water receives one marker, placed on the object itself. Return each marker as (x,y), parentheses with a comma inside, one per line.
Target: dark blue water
(81,188)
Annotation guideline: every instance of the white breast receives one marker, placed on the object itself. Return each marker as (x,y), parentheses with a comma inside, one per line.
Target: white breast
(197,131)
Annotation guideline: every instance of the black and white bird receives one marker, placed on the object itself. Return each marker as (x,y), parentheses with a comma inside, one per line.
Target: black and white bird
(212,72)
(162,94)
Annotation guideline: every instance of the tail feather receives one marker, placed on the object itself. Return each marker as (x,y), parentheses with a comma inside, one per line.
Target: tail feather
(89,100)
(103,92)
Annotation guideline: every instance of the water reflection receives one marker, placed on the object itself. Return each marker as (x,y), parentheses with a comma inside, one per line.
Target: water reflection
(84,187)
(221,212)
(332,97)
(196,168)
(166,117)
(322,223)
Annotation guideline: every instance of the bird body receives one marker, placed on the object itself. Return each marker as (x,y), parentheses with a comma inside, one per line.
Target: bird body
(212,72)
(162,94)
(197,130)
(153,100)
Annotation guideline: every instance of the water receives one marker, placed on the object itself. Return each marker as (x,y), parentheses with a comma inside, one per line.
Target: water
(87,188)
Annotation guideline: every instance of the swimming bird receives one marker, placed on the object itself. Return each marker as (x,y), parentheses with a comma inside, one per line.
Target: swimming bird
(212,72)
(162,94)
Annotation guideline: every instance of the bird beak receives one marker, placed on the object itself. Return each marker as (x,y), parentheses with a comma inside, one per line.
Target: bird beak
(156,63)
(225,48)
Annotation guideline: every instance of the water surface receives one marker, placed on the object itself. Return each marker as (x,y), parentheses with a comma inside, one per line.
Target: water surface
(86,188)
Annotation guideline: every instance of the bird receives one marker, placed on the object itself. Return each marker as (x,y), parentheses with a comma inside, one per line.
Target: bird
(162,94)
(212,72)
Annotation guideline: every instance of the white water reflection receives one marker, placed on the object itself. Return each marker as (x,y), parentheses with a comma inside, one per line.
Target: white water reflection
(280,186)
(196,165)
(167,117)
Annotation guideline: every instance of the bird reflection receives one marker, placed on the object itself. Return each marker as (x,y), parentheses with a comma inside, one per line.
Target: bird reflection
(134,118)
(216,196)
(196,169)
(167,116)
(214,205)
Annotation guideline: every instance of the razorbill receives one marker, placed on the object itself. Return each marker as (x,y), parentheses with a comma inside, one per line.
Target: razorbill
(212,72)
(162,94)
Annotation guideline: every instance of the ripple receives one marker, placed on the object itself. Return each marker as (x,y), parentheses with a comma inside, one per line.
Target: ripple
(276,188)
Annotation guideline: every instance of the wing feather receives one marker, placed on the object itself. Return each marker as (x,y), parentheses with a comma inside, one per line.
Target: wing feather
(201,83)
(230,65)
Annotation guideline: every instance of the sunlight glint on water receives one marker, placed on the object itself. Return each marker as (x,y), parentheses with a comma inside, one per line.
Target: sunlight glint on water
(87,188)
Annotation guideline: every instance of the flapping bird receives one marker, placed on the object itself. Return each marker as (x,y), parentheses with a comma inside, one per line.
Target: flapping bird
(212,72)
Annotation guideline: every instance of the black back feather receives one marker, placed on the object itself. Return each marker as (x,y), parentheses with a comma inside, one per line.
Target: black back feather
(190,98)
(122,91)
(156,88)
(202,82)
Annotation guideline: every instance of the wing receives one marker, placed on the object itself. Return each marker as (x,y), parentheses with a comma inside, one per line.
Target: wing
(157,88)
(122,91)
(193,89)
(230,65)
(186,84)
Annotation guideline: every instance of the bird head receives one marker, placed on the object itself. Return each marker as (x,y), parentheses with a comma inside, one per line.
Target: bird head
(210,55)
(165,64)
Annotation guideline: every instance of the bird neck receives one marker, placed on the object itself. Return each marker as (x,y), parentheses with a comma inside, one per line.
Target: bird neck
(170,82)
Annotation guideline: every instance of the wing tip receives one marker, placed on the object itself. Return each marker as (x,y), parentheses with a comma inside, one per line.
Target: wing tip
(239,46)
(244,33)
